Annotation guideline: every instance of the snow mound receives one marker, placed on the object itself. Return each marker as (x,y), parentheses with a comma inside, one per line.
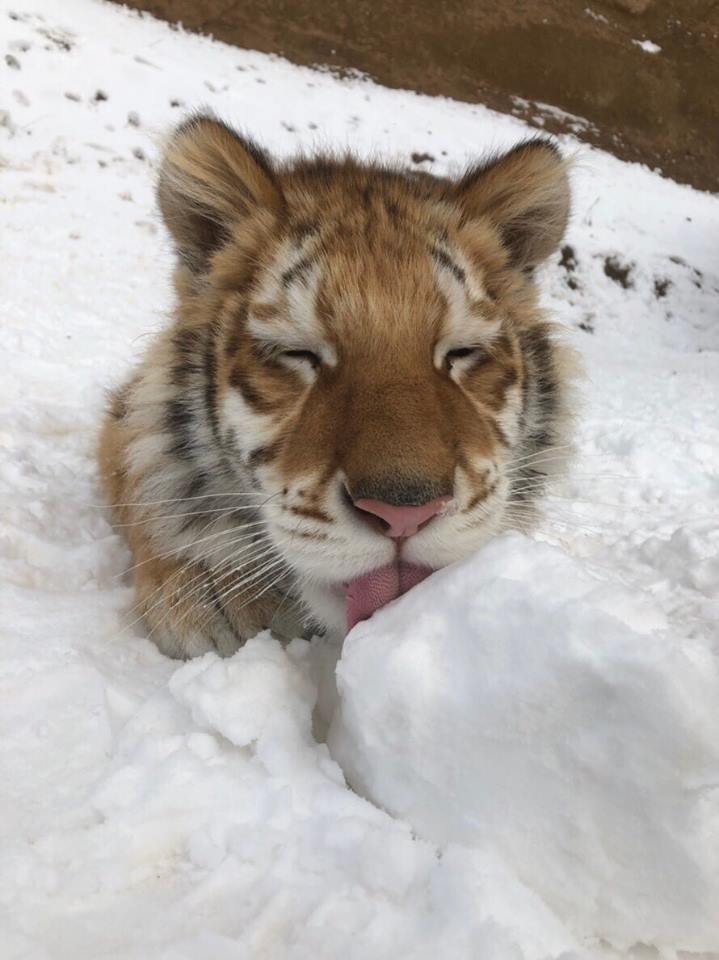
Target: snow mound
(528,709)
(156,811)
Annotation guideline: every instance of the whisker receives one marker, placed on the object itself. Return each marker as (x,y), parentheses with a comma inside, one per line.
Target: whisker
(241,586)
(198,582)
(154,503)
(231,562)
(223,597)
(174,551)
(202,574)
(545,451)
(184,547)
(515,515)
(269,586)
(197,513)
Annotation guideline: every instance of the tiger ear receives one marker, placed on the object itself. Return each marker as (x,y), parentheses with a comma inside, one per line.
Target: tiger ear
(210,179)
(525,194)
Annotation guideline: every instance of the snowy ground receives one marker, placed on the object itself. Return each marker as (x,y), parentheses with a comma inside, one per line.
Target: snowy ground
(155,810)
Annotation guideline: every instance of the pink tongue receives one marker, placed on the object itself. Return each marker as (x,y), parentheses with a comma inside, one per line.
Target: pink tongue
(373,590)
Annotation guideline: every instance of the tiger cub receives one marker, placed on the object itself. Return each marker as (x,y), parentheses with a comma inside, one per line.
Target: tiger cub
(358,386)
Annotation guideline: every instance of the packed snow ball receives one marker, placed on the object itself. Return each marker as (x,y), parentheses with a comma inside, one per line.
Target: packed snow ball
(548,717)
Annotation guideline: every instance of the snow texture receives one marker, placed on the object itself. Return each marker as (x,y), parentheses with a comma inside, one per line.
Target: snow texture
(532,734)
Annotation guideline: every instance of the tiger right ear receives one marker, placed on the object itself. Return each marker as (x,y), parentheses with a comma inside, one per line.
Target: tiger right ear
(210,179)
(525,194)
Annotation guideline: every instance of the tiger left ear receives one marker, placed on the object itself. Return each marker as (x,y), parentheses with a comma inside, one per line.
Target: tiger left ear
(211,180)
(525,194)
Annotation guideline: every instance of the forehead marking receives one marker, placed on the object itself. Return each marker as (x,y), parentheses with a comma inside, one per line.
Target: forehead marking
(298,271)
(459,266)
(444,260)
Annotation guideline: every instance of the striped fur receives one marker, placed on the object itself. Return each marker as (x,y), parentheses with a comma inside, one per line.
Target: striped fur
(340,328)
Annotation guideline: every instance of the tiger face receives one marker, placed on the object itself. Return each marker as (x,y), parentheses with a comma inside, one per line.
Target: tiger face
(370,363)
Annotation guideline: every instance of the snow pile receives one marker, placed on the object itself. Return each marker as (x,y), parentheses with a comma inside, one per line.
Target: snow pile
(151,810)
(530,710)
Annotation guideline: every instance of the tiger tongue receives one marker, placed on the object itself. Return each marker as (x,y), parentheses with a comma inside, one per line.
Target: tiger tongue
(373,590)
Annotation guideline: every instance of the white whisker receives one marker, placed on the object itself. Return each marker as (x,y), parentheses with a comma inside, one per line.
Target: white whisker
(204,496)
(197,578)
(226,511)
(186,547)
(231,592)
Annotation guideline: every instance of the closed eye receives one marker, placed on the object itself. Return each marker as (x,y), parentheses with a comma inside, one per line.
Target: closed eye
(306,363)
(452,357)
(301,356)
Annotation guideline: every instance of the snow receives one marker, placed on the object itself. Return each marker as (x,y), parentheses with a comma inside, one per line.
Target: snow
(648,46)
(581,733)
(165,810)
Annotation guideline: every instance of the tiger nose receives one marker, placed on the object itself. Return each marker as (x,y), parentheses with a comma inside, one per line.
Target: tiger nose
(403,522)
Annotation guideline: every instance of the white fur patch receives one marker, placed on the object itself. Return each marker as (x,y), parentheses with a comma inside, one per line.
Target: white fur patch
(144,452)
(509,417)
(253,429)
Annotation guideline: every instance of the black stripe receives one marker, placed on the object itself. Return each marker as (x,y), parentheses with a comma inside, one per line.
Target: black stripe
(263,454)
(196,484)
(179,417)
(187,343)
(538,348)
(234,339)
(444,260)
(210,365)
(297,271)
(540,390)
(248,393)
(301,231)
(394,214)
(188,350)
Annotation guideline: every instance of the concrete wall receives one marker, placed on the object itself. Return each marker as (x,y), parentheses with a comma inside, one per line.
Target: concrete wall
(661,108)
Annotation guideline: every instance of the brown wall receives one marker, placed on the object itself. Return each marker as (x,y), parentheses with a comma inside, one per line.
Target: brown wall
(660,108)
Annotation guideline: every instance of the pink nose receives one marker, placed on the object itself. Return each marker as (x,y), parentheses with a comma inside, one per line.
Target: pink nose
(403,521)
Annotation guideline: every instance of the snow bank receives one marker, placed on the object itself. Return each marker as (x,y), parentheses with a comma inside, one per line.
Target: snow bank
(515,703)
(156,811)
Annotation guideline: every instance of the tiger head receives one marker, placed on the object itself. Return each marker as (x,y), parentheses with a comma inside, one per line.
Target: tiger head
(381,372)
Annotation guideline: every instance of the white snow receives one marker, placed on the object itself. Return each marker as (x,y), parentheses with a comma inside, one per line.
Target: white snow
(648,46)
(530,710)
(150,809)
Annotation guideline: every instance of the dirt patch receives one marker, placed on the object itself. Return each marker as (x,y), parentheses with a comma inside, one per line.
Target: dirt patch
(568,260)
(661,287)
(619,272)
(637,77)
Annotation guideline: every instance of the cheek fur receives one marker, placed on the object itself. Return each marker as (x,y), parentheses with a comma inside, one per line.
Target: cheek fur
(244,428)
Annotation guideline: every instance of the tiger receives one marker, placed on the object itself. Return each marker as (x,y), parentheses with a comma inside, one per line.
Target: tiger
(358,386)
